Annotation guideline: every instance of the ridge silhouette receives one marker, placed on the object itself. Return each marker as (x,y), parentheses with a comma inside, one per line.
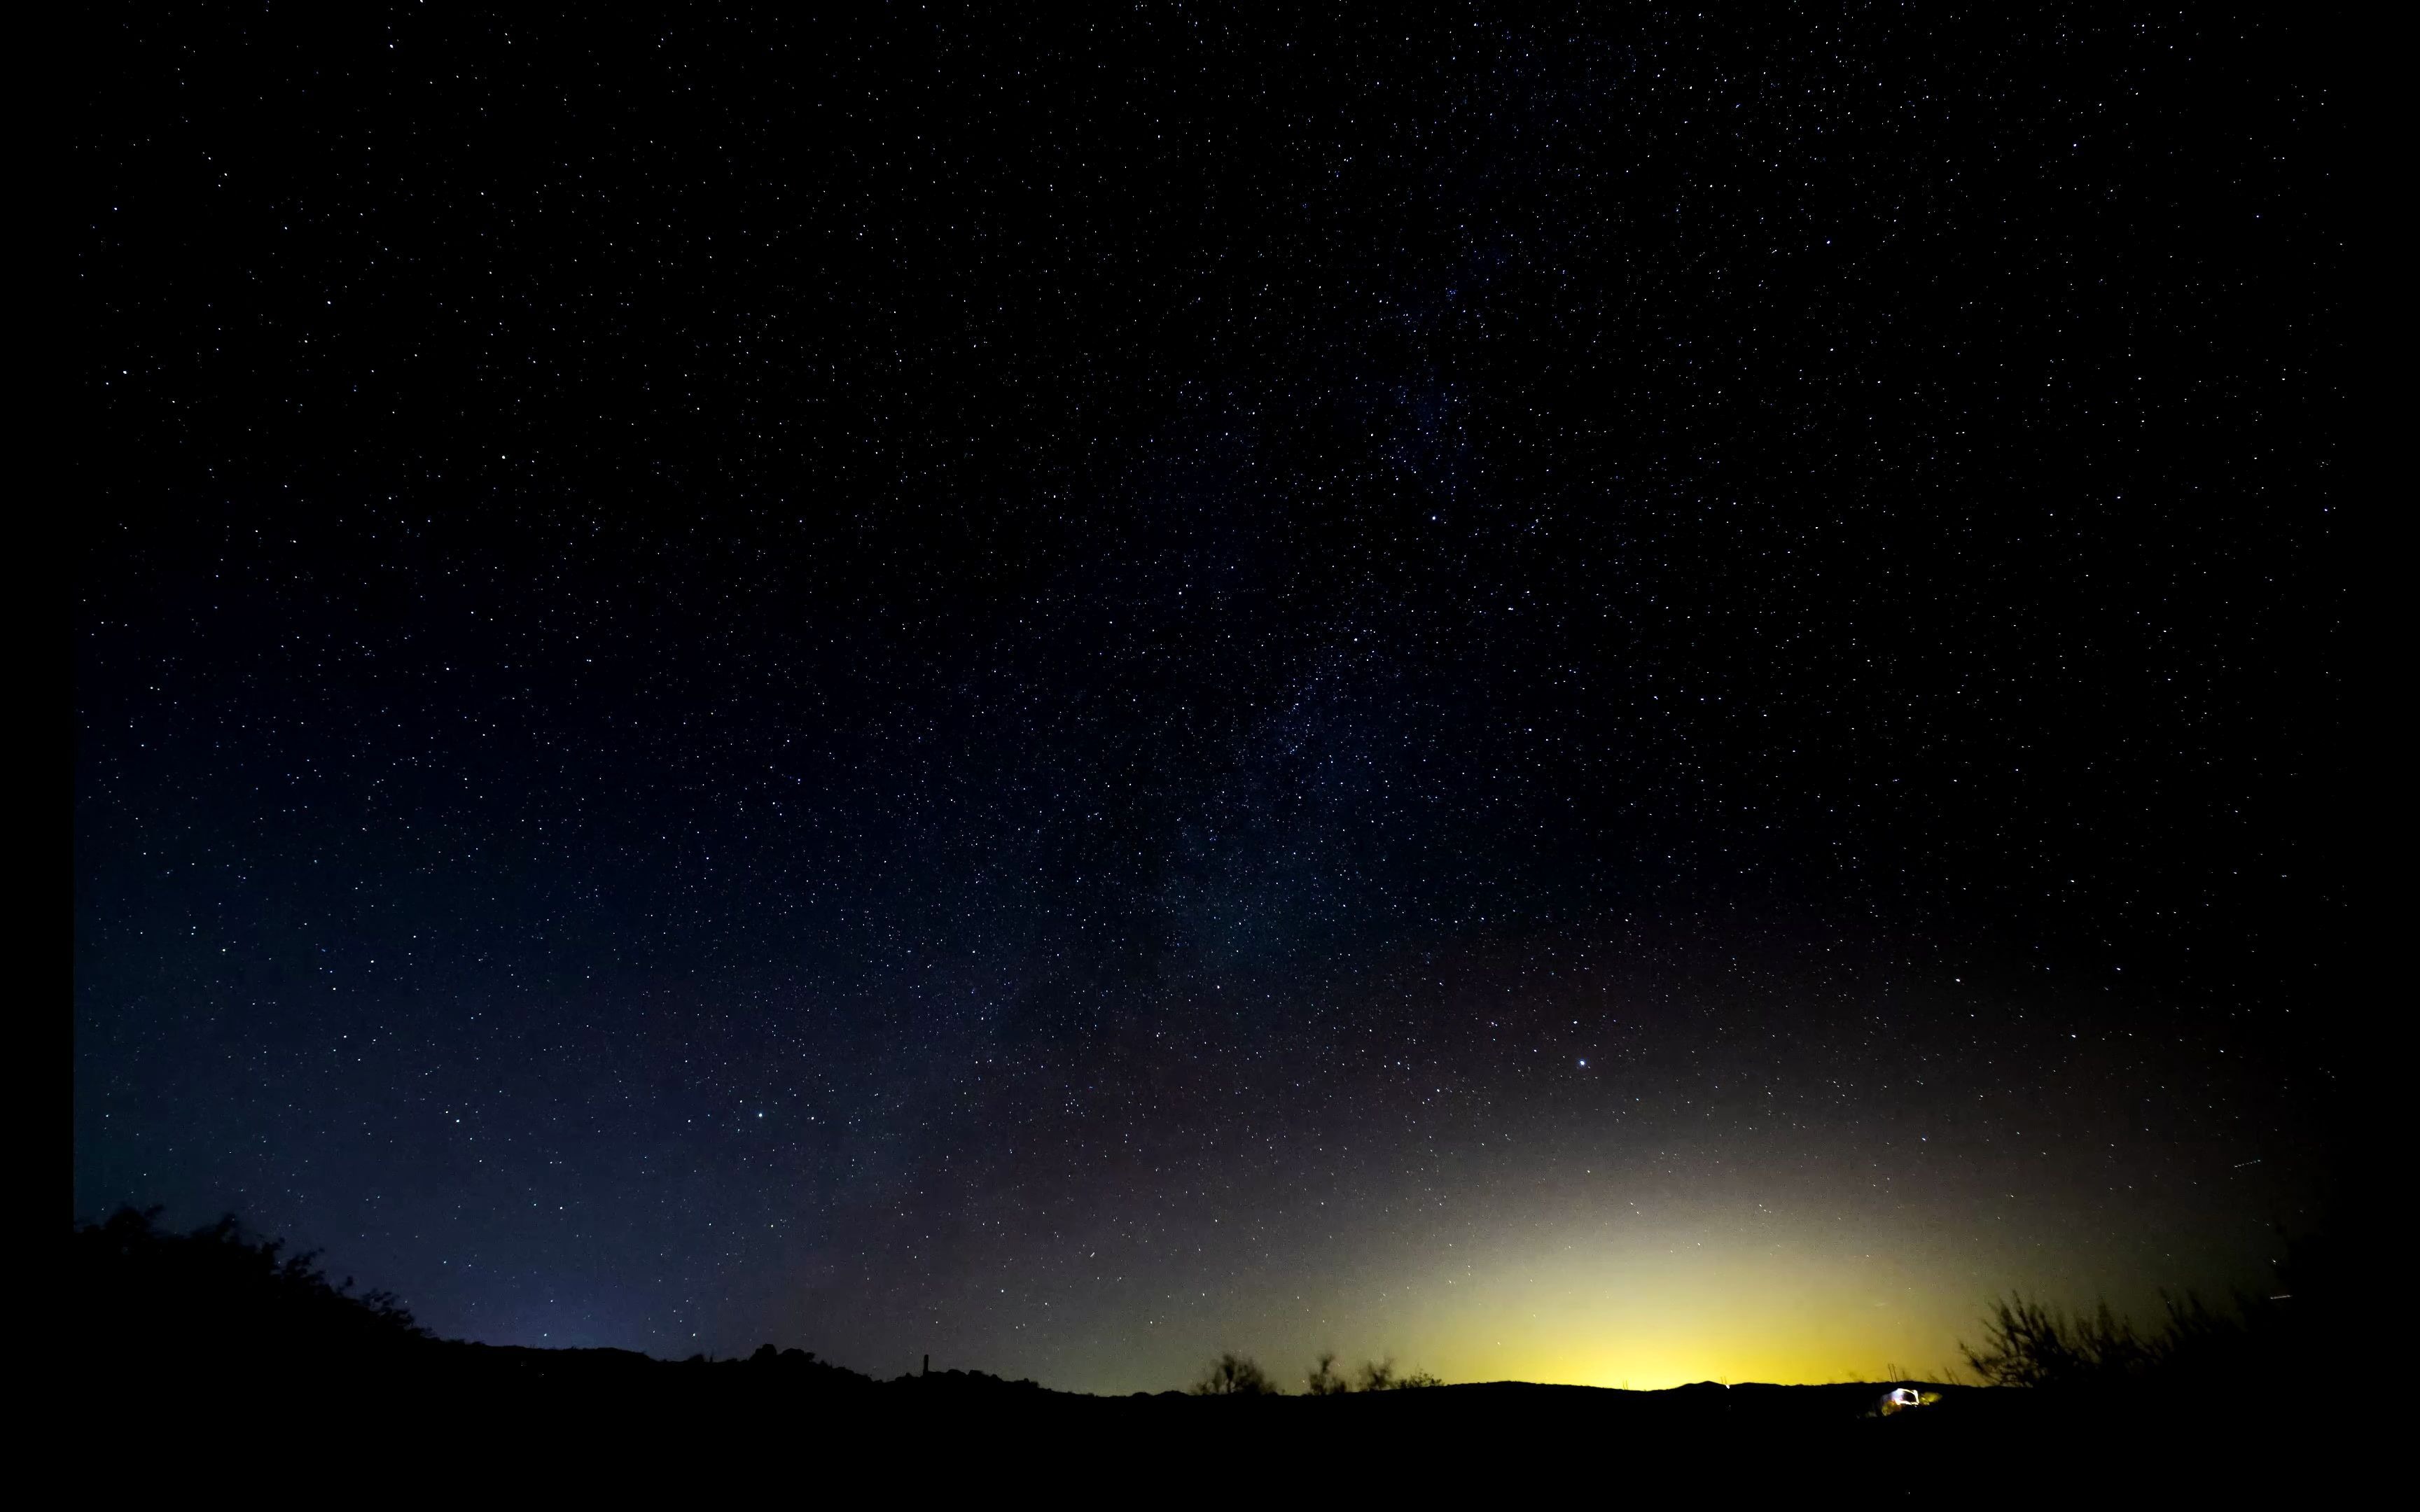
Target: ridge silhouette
(226,1337)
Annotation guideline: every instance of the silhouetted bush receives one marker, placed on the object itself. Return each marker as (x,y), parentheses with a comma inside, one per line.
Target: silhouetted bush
(2026,1344)
(1235,1375)
(1381,1375)
(214,1299)
(2196,1347)
(1323,1381)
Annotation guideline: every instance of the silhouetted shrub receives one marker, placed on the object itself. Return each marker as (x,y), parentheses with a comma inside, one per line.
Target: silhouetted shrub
(2196,1347)
(2028,1344)
(1235,1375)
(1381,1375)
(1323,1380)
(214,1299)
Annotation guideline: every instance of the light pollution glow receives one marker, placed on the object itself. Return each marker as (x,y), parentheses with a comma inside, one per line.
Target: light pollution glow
(1595,1311)
(1752,1281)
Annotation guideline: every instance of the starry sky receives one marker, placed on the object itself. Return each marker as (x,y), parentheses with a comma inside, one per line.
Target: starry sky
(1619,696)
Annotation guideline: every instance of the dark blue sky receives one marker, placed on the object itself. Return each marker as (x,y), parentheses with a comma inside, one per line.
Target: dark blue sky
(1070,696)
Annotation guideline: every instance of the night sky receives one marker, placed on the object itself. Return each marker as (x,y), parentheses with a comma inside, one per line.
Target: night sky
(1622,699)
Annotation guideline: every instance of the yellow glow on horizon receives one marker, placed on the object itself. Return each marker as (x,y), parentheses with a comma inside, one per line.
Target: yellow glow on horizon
(1746,1281)
(1602,1309)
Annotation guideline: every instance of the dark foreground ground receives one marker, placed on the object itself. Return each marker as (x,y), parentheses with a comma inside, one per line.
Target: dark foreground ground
(211,1366)
(477,1422)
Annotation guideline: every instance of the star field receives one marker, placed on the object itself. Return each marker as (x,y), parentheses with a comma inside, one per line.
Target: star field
(1603,699)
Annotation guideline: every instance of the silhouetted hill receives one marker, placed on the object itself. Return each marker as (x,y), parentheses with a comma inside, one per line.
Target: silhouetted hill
(231,1346)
